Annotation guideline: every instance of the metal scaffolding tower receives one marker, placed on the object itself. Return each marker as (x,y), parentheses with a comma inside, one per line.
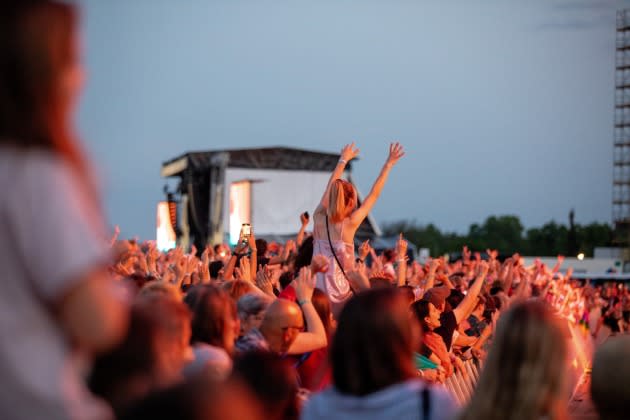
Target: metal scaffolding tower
(621,151)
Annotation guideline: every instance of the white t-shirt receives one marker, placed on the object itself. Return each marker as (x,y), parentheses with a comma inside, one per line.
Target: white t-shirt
(50,237)
(400,401)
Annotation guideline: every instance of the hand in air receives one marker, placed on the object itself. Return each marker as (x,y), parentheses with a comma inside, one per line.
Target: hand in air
(319,264)
(349,152)
(395,153)
(401,246)
(364,250)
(304,284)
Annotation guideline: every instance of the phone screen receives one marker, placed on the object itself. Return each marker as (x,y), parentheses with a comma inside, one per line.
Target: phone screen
(246,231)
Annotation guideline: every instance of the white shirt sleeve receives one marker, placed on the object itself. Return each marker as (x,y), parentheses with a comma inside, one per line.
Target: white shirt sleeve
(54,228)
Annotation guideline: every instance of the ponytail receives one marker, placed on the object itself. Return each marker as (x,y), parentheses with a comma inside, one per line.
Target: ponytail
(341,201)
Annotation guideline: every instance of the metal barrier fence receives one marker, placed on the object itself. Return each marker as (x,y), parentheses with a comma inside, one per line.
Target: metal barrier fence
(461,384)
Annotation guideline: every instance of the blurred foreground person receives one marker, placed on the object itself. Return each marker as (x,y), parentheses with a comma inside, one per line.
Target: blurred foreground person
(199,399)
(372,356)
(610,389)
(272,380)
(150,358)
(215,326)
(57,301)
(524,376)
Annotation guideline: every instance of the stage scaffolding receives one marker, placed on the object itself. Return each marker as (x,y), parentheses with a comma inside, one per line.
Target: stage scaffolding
(621,150)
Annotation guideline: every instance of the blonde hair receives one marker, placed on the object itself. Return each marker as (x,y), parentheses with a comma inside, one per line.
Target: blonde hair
(342,200)
(524,375)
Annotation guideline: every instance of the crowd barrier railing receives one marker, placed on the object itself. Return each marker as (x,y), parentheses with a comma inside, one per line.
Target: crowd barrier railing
(461,385)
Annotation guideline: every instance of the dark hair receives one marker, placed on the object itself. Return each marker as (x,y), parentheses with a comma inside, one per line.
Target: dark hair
(154,322)
(182,401)
(285,279)
(420,309)
(389,254)
(273,381)
(215,267)
(304,254)
(373,346)
(454,299)
(380,283)
(136,354)
(209,306)
(496,289)
(261,247)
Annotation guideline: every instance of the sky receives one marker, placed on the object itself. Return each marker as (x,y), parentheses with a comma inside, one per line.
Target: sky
(503,106)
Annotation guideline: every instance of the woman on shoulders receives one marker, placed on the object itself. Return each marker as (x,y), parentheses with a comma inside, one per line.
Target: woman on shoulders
(336,220)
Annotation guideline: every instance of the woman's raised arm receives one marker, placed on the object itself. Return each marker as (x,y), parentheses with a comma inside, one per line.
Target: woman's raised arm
(395,153)
(348,153)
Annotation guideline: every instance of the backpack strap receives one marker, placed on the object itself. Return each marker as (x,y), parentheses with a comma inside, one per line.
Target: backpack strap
(425,402)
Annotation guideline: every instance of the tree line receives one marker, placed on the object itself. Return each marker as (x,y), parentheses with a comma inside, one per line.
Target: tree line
(507,234)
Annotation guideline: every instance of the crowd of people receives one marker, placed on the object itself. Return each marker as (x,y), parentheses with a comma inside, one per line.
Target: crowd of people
(97,328)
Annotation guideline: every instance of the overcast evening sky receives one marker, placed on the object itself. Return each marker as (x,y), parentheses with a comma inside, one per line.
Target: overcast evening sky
(503,106)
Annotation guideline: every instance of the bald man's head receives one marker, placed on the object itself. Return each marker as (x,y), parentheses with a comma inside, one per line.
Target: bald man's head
(282,323)
(610,389)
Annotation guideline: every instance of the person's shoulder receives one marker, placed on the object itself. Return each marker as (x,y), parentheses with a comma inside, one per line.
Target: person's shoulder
(33,158)
(38,168)
(449,317)
(319,405)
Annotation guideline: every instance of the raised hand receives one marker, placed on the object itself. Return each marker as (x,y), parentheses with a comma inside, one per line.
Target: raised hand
(364,250)
(401,246)
(114,238)
(264,280)
(241,248)
(434,264)
(251,241)
(289,247)
(569,273)
(245,269)
(395,153)
(349,152)
(168,276)
(482,269)
(304,284)
(205,255)
(152,257)
(304,219)
(465,253)
(358,278)
(319,264)
(181,264)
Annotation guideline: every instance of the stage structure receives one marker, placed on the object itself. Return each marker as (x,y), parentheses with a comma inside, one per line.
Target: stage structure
(621,149)
(218,190)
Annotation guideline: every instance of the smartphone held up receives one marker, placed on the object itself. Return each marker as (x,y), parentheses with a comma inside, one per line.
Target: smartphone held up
(246,231)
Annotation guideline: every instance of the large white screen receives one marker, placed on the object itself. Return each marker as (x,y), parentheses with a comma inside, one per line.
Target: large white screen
(278,197)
